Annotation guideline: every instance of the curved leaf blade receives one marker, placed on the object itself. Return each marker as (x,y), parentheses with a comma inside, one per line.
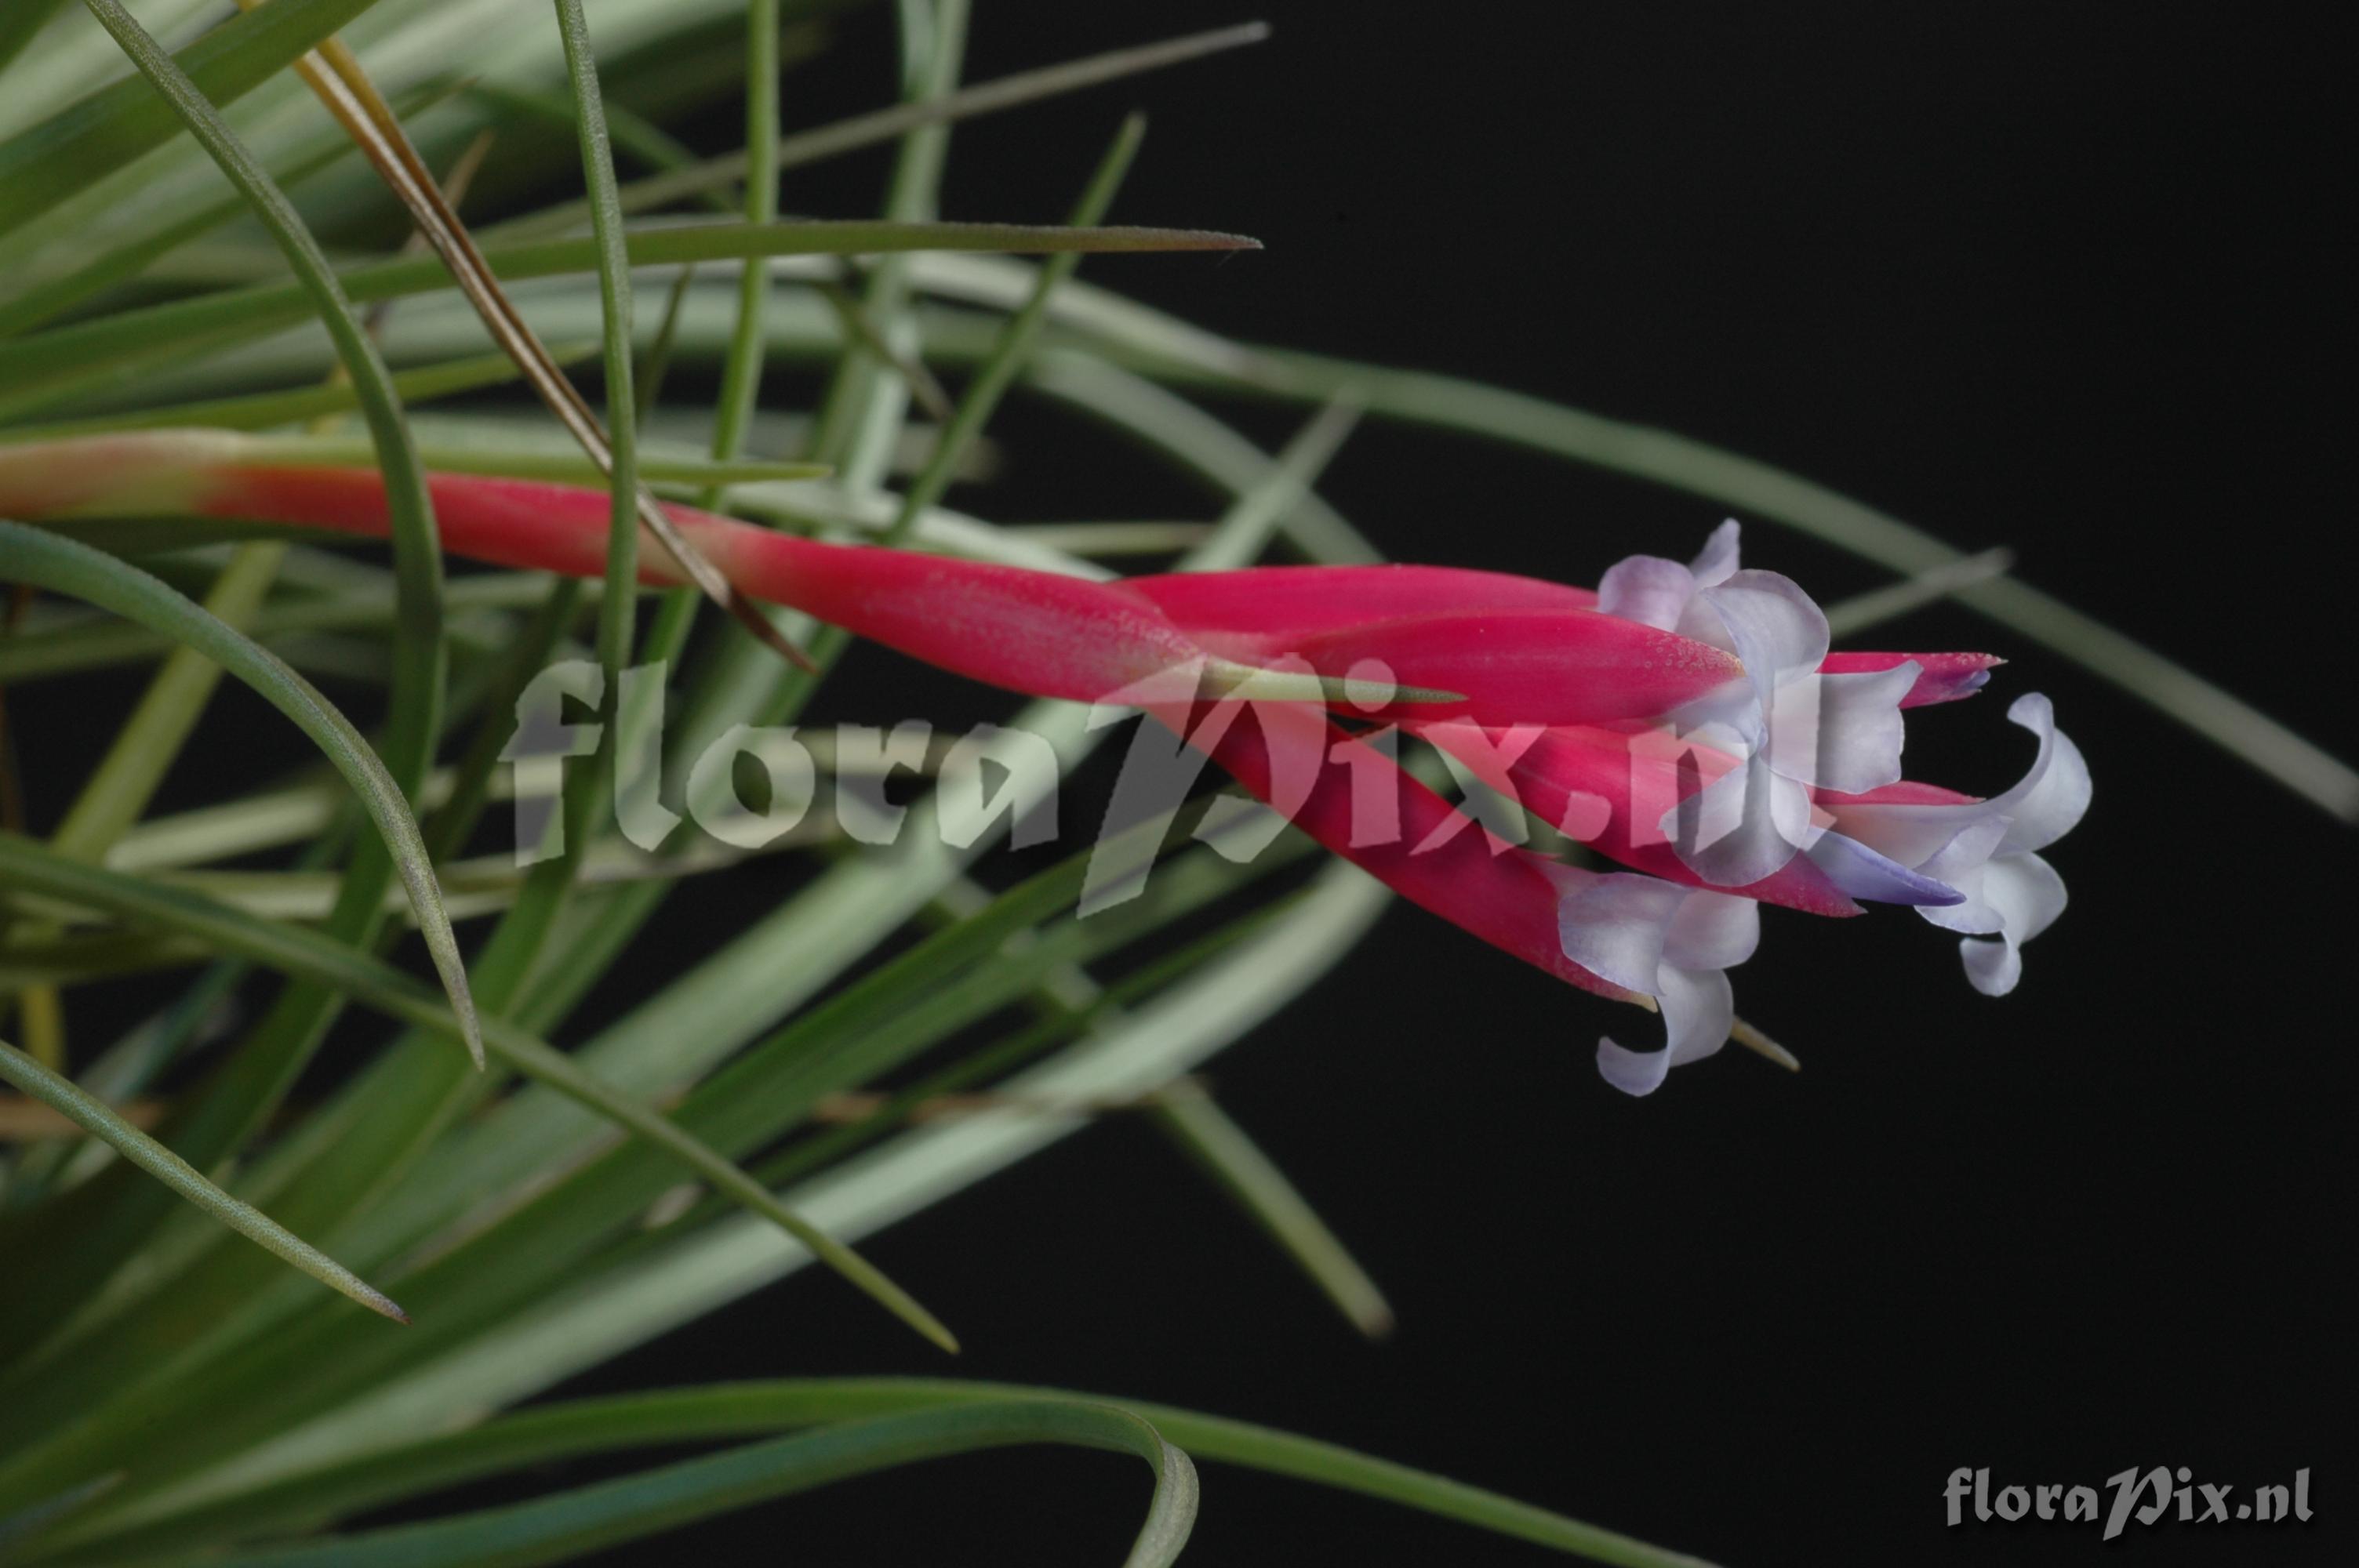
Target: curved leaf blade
(97,1118)
(554,1433)
(67,566)
(608,1514)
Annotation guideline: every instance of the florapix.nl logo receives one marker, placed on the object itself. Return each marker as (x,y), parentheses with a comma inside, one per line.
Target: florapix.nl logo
(2150,1496)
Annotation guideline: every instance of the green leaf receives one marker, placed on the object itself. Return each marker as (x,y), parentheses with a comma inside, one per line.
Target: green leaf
(327,962)
(1206,1133)
(65,566)
(60,1094)
(594,1517)
(49,297)
(257,411)
(41,167)
(771,155)
(1017,335)
(41,366)
(554,1433)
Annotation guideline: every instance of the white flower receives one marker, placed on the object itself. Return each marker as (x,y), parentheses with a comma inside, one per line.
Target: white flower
(1671,943)
(1794,729)
(1984,850)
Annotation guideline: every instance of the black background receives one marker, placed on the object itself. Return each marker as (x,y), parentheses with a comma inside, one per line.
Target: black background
(2049,276)
(2056,278)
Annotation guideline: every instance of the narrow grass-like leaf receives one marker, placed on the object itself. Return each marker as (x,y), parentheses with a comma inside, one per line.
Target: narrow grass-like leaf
(64,566)
(93,274)
(41,365)
(23,1526)
(611,1513)
(886,125)
(39,167)
(552,1433)
(325,962)
(1861,612)
(259,411)
(101,1122)
(615,610)
(999,368)
(418,655)
(95,642)
(1207,1134)
(1133,1054)
(118,790)
(18,23)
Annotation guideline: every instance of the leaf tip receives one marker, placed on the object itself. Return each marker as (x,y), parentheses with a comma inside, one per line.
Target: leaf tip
(384,1306)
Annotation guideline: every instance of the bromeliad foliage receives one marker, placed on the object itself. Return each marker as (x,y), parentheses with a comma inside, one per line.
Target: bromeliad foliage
(199,287)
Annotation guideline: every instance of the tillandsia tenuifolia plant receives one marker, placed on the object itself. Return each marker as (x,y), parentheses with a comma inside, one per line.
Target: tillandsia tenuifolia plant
(200,412)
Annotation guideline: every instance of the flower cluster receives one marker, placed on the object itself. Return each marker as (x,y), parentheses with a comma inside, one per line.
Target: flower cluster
(1733,762)
(1688,723)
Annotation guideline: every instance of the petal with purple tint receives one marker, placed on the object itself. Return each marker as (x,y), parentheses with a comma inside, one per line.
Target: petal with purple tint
(1862,873)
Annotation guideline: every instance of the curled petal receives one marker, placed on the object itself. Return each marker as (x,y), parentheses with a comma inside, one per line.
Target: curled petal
(1699,1008)
(2029,895)
(1914,823)
(2053,797)
(1964,863)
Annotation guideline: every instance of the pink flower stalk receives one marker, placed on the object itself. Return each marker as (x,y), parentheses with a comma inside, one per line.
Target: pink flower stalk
(1689,721)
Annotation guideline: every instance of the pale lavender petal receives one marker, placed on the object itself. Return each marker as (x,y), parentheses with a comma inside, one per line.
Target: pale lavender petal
(1716,562)
(1647,590)
(1777,631)
(1861,729)
(1913,834)
(1964,863)
(2026,892)
(2044,805)
(2027,895)
(1744,826)
(2053,797)
(1862,873)
(1994,965)
(1713,931)
(1613,925)
(1699,1008)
